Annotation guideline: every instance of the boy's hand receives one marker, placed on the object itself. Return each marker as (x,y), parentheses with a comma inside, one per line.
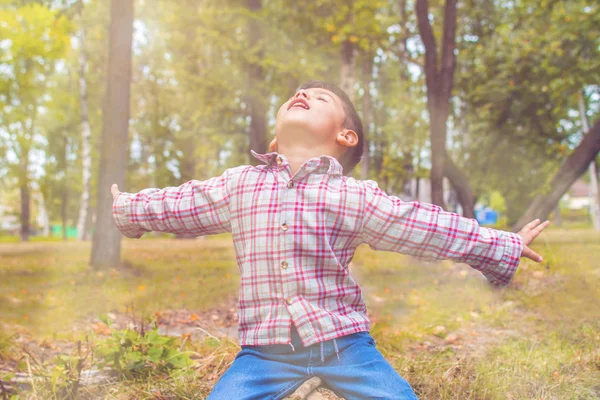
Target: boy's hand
(528,233)
(114,189)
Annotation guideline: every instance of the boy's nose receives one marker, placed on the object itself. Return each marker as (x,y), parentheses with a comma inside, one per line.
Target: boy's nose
(302,93)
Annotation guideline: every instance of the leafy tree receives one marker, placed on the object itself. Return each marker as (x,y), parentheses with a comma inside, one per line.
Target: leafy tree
(35,39)
(518,92)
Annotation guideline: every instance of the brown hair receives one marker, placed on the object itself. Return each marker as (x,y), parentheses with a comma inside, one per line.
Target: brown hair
(352,121)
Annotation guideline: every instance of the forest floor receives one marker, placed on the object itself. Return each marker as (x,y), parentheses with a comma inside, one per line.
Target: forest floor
(441,325)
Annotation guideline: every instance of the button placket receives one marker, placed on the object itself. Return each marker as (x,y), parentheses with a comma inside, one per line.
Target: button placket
(286,238)
(287,287)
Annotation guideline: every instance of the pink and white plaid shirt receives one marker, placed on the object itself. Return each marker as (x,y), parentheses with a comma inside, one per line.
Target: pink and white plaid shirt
(294,238)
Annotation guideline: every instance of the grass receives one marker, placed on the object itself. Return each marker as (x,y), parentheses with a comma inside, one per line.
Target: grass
(537,339)
(46,287)
(442,326)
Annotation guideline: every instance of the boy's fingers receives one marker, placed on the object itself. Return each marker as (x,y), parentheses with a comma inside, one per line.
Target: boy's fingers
(540,228)
(527,252)
(530,225)
(531,235)
(114,189)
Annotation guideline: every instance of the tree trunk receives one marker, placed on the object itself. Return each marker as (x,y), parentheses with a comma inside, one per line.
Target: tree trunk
(25,210)
(187,169)
(63,212)
(86,135)
(575,165)
(367,112)
(594,195)
(106,246)
(257,104)
(25,191)
(408,169)
(557,216)
(594,198)
(44,216)
(347,75)
(439,80)
(460,183)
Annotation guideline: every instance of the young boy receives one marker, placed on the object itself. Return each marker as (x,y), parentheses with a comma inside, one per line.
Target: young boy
(296,222)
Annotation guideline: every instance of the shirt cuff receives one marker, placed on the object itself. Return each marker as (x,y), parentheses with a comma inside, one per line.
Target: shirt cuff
(507,267)
(121,212)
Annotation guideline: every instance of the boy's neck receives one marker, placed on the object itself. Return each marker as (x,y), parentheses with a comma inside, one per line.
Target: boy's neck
(297,157)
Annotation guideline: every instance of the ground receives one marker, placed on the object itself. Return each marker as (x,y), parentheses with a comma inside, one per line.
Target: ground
(441,325)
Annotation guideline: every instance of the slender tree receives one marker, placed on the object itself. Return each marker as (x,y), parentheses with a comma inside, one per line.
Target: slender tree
(106,246)
(257,105)
(439,78)
(86,136)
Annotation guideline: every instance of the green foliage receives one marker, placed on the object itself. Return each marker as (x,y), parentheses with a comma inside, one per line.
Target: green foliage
(64,376)
(514,115)
(520,68)
(131,354)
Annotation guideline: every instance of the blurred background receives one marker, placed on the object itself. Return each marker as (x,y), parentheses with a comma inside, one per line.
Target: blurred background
(489,108)
(475,104)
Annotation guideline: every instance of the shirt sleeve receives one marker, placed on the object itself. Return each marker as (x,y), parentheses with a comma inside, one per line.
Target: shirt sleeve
(427,231)
(195,208)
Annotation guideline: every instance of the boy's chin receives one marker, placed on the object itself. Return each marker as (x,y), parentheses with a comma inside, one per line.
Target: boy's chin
(296,120)
(295,127)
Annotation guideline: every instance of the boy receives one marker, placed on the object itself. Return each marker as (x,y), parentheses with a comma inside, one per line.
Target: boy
(296,221)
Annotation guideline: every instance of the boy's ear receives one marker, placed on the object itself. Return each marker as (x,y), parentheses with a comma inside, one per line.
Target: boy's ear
(347,137)
(273,145)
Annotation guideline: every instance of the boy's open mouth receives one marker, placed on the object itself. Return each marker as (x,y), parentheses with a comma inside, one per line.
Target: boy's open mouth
(299,102)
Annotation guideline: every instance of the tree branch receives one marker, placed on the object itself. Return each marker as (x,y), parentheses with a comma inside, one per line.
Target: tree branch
(575,165)
(448,46)
(431,75)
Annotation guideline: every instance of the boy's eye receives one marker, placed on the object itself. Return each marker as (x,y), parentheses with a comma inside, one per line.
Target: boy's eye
(321,98)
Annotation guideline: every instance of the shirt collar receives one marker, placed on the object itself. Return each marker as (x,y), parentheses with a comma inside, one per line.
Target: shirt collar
(324,163)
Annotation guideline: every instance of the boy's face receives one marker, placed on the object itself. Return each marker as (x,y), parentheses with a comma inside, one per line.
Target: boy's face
(312,117)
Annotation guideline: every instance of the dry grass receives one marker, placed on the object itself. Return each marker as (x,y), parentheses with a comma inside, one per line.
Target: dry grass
(442,326)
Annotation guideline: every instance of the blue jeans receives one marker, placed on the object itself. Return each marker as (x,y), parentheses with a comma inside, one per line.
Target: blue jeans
(275,371)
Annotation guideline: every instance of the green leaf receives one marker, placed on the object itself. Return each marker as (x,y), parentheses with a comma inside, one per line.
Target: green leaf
(155,353)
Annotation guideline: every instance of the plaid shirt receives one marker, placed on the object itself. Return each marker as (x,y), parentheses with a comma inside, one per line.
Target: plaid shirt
(294,238)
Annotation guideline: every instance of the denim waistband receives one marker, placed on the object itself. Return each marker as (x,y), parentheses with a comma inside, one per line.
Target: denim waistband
(298,342)
(296,345)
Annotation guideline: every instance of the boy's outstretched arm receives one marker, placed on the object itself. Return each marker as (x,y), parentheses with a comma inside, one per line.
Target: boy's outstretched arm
(427,231)
(195,208)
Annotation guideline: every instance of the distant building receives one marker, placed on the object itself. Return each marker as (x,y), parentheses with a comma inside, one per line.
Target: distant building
(9,222)
(578,196)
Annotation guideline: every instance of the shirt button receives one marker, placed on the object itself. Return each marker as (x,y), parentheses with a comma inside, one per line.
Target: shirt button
(288,301)
(279,161)
(290,184)
(284,227)
(284,264)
